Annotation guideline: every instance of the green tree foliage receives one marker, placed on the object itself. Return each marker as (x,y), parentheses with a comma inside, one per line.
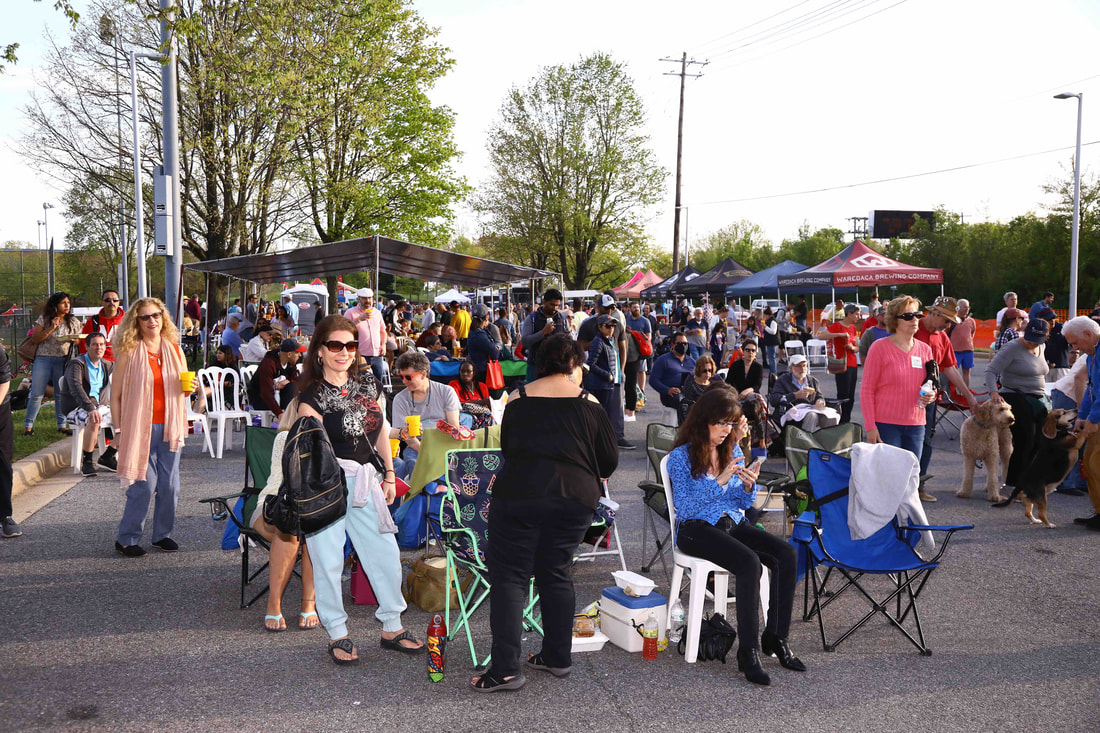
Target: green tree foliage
(572,171)
(742,240)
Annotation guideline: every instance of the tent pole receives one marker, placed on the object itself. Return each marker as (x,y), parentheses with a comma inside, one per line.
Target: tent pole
(377,292)
(204,324)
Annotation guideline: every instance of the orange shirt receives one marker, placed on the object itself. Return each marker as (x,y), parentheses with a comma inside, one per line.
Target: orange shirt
(158,389)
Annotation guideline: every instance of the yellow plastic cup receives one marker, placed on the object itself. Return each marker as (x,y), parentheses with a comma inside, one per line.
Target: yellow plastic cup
(187,382)
(412,422)
(395,446)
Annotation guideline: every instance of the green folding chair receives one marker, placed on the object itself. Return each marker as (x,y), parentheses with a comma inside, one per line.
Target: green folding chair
(464,519)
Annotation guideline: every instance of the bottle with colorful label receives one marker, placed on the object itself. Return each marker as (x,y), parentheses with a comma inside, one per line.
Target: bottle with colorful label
(437,643)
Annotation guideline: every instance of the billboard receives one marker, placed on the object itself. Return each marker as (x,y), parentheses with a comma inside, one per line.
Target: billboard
(886,224)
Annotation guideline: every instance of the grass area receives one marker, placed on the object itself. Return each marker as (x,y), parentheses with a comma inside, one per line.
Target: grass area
(45,432)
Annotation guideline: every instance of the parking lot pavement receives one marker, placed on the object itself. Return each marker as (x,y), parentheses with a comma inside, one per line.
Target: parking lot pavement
(95,641)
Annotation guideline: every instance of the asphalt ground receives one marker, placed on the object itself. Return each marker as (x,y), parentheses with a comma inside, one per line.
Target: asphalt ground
(94,641)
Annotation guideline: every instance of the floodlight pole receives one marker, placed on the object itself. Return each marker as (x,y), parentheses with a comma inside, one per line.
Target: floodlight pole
(1076,206)
(139,228)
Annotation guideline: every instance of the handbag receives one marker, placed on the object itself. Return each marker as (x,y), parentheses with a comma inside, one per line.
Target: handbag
(837,366)
(494,375)
(27,349)
(716,638)
(426,584)
(645,347)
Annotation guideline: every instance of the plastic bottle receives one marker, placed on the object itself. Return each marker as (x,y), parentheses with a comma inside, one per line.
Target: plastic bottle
(437,644)
(675,622)
(649,638)
(925,390)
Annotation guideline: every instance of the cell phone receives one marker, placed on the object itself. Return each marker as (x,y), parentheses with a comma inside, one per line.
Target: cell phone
(755,465)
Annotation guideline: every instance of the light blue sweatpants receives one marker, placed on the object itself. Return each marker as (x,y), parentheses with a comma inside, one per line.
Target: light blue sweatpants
(381,561)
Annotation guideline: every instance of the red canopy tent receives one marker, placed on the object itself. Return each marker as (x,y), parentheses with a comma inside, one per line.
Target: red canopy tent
(857,265)
(633,287)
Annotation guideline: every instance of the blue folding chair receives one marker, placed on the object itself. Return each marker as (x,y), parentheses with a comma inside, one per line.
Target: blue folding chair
(824,540)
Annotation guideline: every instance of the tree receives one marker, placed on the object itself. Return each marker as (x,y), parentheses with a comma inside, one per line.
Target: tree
(572,170)
(742,240)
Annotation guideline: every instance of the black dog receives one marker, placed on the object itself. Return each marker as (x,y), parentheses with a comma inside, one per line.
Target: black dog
(1054,457)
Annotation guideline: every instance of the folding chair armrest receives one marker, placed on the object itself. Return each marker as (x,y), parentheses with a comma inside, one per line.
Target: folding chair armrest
(650,486)
(938,527)
(224,499)
(804,527)
(466,531)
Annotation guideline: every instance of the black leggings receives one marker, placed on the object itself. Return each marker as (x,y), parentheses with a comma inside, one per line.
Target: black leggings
(742,549)
(1025,434)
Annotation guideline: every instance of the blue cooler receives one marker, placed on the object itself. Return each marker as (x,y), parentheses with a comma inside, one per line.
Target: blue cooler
(620,613)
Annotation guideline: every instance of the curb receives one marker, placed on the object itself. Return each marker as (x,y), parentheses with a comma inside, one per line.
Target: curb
(40,465)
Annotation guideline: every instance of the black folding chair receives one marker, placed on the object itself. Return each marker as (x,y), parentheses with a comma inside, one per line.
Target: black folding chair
(659,439)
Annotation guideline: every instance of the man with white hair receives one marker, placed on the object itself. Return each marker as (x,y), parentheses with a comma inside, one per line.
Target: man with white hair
(962,339)
(1010,302)
(290,305)
(1083,333)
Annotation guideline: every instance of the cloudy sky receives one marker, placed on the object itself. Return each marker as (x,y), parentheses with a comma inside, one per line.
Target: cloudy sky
(800,103)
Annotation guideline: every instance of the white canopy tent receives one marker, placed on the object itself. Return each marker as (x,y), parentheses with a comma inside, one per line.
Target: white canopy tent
(451,295)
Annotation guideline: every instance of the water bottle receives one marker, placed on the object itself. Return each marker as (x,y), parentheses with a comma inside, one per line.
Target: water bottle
(649,638)
(437,643)
(675,622)
(926,389)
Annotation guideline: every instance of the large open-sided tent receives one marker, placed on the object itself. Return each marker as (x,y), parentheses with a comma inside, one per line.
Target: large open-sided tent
(764,282)
(715,280)
(633,287)
(857,265)
(661,290)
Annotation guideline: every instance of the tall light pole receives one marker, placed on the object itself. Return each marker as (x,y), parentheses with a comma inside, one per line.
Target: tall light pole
(49,245)
(107,34)
(1076,206)
(40,225)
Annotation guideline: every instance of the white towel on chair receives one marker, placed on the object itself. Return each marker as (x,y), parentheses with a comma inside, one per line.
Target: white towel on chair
(883,486)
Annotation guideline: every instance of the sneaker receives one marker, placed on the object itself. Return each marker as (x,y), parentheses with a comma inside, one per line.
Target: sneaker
(11,527)
(1093,524)
(129,550)
(87,468)
(1086,520)
(166,545)
(926,497)
(109,461)
(1071,491)
(626,445)
(629,418)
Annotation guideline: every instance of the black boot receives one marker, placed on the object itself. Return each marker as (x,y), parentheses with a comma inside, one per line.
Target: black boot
(108,460)
(87,468)
(749,663)
(773,646)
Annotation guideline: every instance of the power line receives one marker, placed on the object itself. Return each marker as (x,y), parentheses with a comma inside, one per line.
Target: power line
(822,16)
(750,25)
(889,180)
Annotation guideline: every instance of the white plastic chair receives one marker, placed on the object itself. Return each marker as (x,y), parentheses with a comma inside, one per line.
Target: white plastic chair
(816,355)
(194,417)
(721,374)
(792,347)
(214,378)
(699,570)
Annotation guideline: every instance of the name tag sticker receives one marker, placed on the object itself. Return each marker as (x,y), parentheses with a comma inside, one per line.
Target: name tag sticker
(915,361)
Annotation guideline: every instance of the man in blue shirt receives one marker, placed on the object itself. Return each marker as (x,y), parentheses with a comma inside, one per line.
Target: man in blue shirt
(1041,305)
(230,336)
(290,305)
(1083,333)
(670,370)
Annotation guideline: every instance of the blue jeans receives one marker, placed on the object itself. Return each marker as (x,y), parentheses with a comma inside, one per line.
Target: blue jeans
(771,352)
(1074,480)
(378,366)
(696,351)
(909,437)
(161,478)
(46,370)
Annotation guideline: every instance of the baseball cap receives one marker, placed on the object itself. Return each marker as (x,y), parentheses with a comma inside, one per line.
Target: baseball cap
(601,320)
(797,359)
(946,307)
(1037,331)
(1048,314)
(605,301)
(286,294)
(1014,313)
(480,310)
(291,345)
(364,293)
(233,318)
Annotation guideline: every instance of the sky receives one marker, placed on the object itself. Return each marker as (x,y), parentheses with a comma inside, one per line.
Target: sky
(797,96)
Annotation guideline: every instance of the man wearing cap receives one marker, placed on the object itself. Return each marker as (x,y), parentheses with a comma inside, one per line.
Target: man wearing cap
(589,332)
(798,387)
(291,307)
(1044,303)
(256,348)
(843,343)
(278,372)
(943,312)
(230,336)
(542,322)
(371,330)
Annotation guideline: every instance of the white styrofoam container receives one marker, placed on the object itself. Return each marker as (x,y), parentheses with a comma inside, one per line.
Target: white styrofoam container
(633,583)
(617,622)
(592,643)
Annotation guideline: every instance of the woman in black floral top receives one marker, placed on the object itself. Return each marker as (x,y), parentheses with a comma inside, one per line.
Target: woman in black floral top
(347,407)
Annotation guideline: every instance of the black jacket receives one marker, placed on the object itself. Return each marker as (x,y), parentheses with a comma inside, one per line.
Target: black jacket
(311,476)
(74,392)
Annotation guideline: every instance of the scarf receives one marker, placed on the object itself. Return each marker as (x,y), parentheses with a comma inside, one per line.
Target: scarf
(132,407)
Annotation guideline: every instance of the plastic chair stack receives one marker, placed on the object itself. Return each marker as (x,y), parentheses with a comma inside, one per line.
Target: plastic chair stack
(214,378)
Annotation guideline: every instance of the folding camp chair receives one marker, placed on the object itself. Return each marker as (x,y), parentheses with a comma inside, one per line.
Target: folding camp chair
(658,442)
(949,405)
(603,529)
(827,541)
(463,517)
(258,443)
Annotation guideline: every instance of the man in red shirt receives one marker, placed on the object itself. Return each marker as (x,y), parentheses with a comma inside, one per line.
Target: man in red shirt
(105,322)
(844,343)
(941,314)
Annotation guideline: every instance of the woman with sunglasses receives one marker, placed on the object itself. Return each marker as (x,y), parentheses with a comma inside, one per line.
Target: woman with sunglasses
(746,372)
(711,489)
(332,393)
(149,412)
(50,336)
(890,396)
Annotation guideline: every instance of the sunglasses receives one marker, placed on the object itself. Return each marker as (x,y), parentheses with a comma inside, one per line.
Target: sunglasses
(708,371)
(408,377)
(110,300)
(150,316)
(909,316)
(336,346)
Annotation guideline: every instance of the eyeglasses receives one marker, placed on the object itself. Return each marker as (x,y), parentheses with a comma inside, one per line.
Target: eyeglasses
(909,316)
(110,300)
(408,377)
(148,316)
(725,424)
(335,346)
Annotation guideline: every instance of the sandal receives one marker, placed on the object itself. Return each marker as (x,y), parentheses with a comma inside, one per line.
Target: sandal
(280,624)
(343,645)
(489,683)
(395,644)
(536,661)
(303,620)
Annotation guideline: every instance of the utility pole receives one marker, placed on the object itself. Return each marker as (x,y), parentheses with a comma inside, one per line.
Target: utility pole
(860,226)
(682,73)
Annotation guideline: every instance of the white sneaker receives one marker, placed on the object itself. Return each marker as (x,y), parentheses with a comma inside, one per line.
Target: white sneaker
(629,418)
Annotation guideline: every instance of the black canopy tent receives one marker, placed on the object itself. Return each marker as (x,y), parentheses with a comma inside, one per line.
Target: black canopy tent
(661,289)
(715,281)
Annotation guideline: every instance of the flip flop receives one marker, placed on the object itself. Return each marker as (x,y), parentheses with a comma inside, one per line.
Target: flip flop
(277,629)
(489,683)
(302,620)
(344,645)
(395,644)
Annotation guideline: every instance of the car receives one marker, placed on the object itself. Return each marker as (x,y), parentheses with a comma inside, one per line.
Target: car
(827,311)
(761,303)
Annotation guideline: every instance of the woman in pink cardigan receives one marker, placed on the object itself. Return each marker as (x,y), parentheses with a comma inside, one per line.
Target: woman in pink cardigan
(148,407)
(890,399)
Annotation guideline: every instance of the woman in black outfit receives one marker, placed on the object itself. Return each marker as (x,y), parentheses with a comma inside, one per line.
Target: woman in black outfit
(558,444)
(746,373)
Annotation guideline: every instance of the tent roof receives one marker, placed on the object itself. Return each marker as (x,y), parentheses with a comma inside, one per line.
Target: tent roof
(661,289)
(634,287)
(763,282)
(394,257)
(858,265)
(727,272)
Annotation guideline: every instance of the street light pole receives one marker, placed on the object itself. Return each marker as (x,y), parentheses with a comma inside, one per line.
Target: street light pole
(1074,237)
(49,244)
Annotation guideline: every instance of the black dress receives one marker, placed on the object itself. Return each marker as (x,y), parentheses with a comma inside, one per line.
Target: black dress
(742,380)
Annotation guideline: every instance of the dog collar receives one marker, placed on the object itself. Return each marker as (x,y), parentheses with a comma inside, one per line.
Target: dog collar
(982,425)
